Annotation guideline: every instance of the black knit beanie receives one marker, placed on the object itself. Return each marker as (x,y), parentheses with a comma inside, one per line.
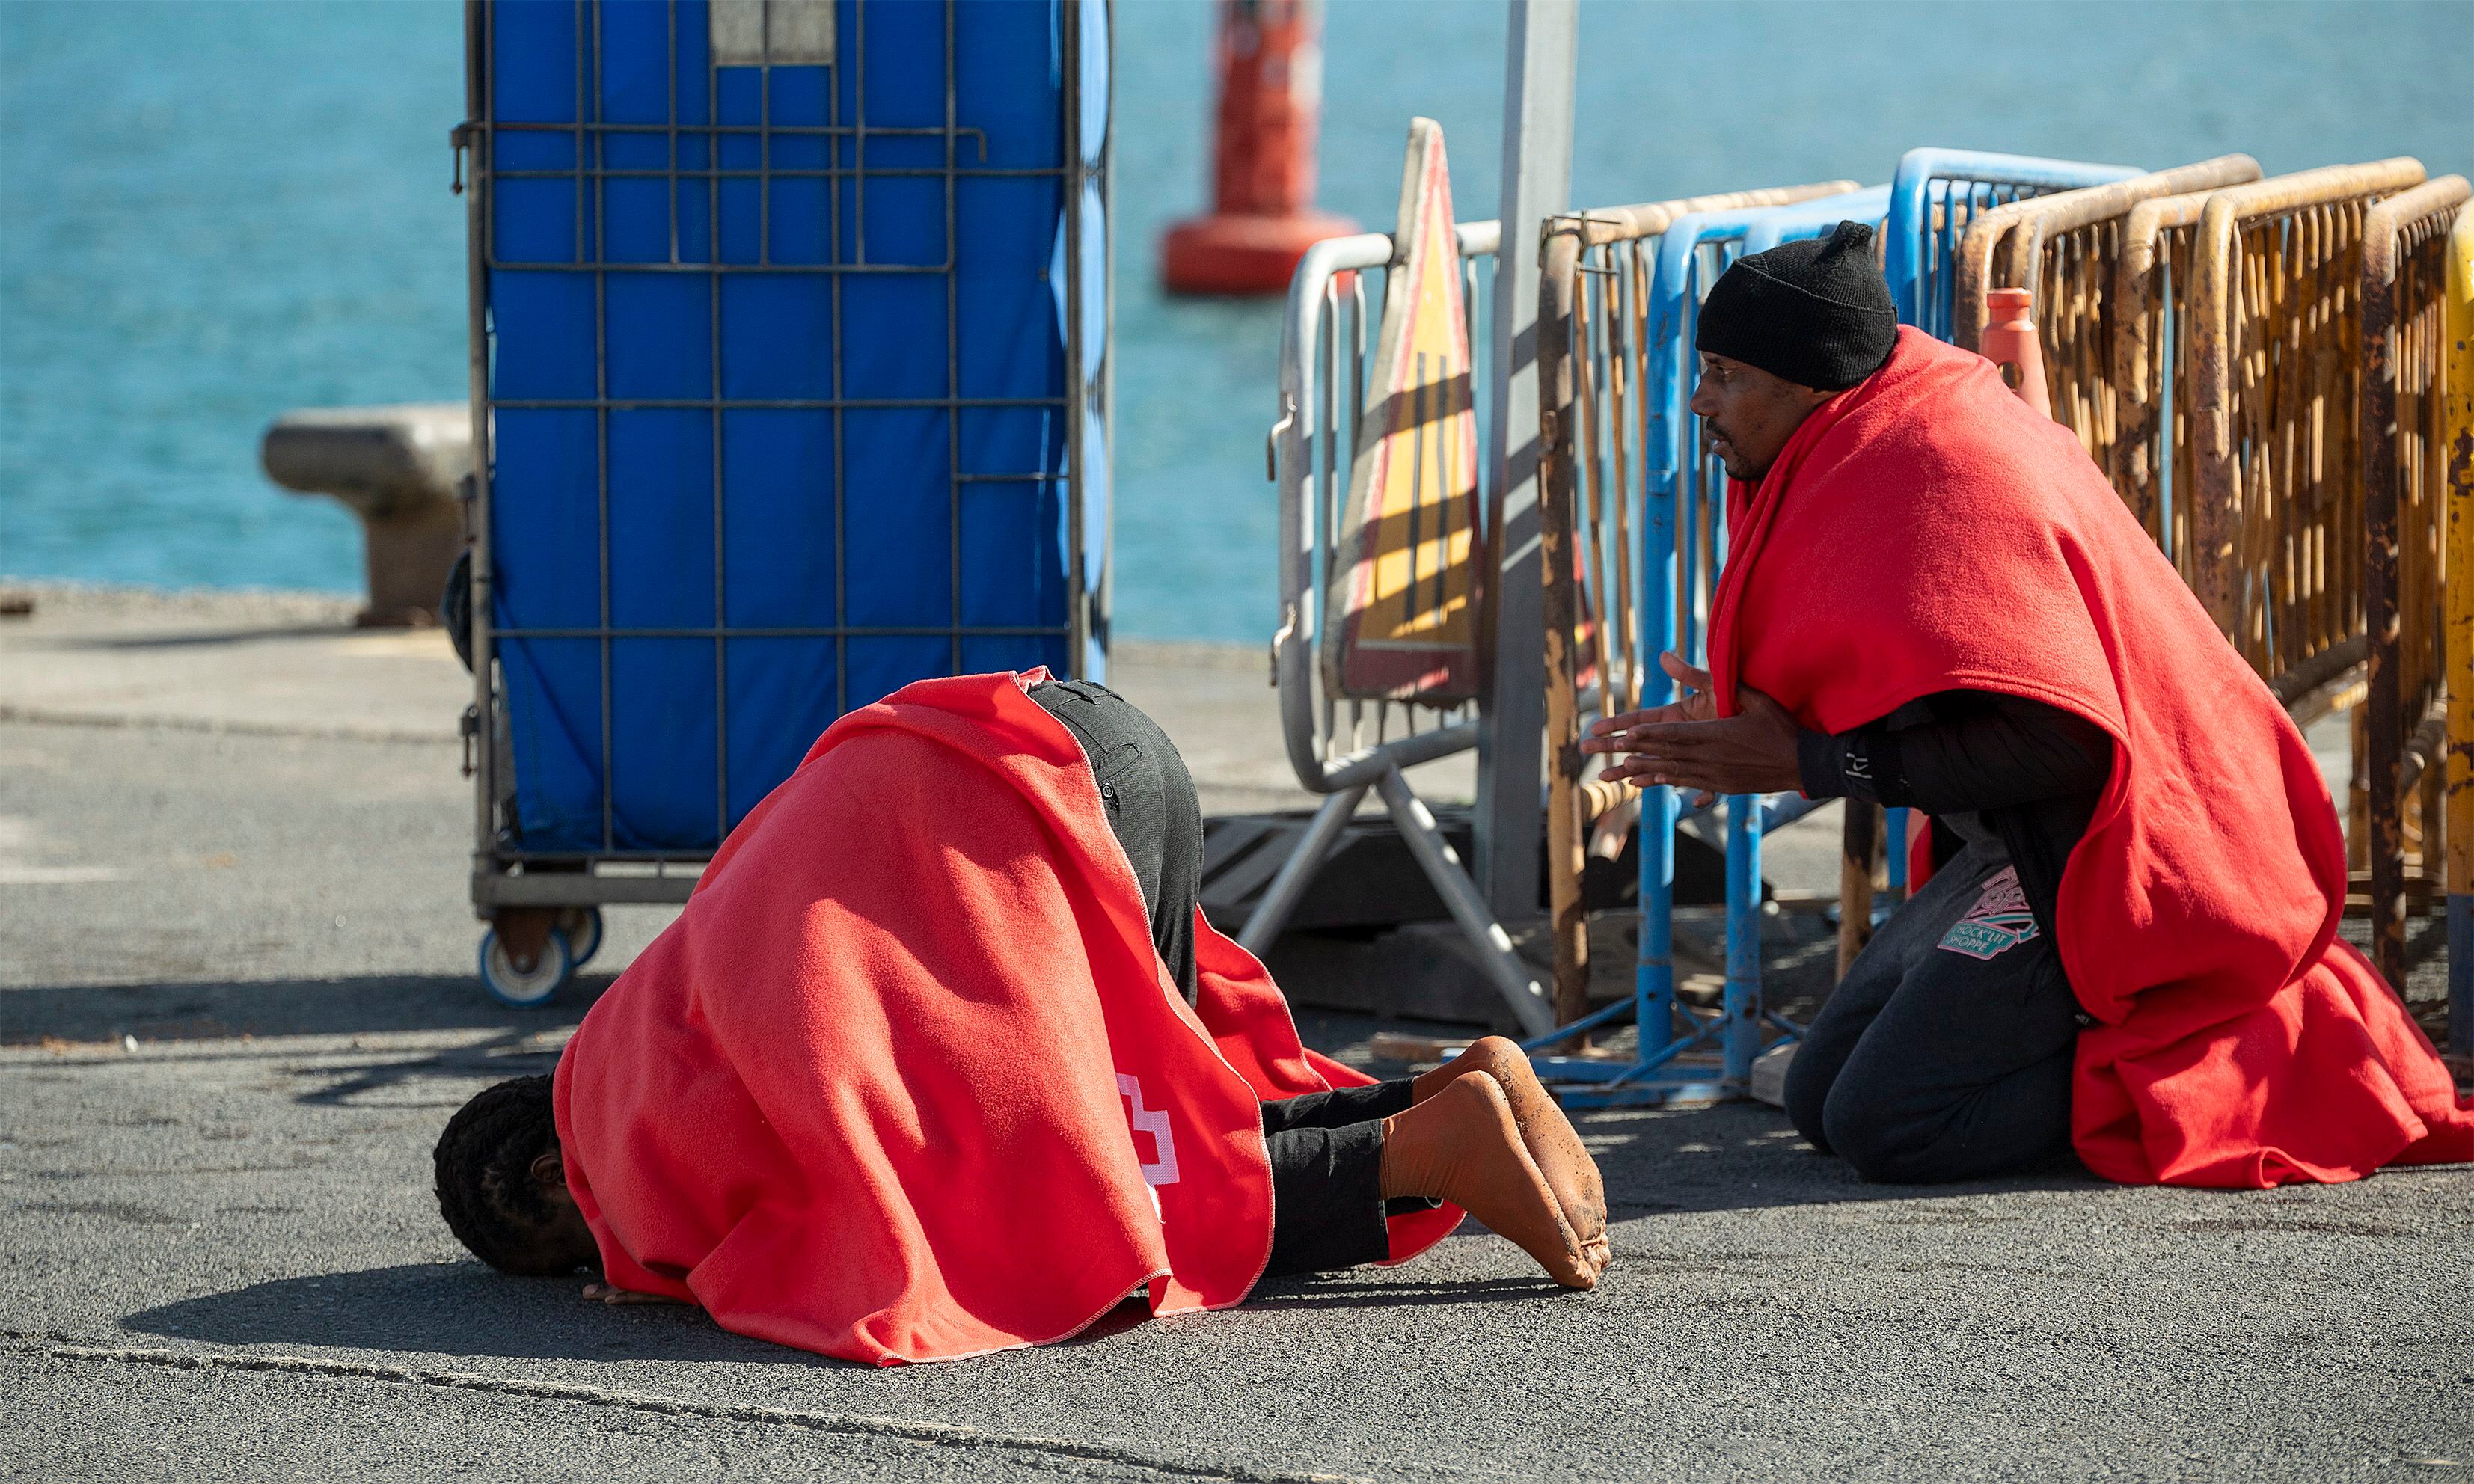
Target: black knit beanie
(1814,312)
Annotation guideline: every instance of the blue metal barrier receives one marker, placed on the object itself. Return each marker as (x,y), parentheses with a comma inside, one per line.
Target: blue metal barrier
(1924,213)
(1814,219)
(1933,197)
(1683,548)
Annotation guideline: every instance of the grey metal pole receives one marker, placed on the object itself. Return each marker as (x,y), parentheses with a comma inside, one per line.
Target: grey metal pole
(1504,967)
(1078,383)
(1297,872)
(1536,183)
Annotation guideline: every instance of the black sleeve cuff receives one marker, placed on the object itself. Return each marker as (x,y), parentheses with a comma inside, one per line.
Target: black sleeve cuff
(1887,783)
(1862,765)
(1820,758)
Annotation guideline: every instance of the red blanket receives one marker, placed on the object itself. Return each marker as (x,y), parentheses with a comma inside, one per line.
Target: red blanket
(907,1080)
(1925,531)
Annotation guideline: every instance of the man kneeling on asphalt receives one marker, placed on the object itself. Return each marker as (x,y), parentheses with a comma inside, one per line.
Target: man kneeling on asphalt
(1932,599)
(941,1058)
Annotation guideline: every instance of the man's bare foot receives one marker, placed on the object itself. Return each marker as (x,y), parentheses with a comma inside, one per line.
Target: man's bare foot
(1549,1136)
(1463,1145)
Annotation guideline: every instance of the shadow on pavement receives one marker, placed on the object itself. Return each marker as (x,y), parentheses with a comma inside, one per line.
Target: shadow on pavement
(1336,1291)
(462,1308)
(184,639)
(509,1054)
(1733,1156)
(453,1308)
(280,1007)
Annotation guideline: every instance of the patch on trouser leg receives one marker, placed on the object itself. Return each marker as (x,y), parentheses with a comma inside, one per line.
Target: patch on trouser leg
(1998,921)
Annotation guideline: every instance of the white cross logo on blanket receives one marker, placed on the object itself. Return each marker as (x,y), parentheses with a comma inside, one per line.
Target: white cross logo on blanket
(1152,1121)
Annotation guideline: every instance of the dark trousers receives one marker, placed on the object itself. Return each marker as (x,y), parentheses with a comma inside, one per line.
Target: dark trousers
(1151,809)
(1945,1055)
(1327,1147)
(1327,1205)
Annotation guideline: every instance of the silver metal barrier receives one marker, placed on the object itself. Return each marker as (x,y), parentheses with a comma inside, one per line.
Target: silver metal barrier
(1340,747)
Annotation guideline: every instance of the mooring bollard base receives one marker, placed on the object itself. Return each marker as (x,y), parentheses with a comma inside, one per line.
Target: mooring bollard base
(401,470)
(406,561)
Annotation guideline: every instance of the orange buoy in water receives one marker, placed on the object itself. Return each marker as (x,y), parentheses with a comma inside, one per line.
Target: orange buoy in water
(1263,168)
(2010,343)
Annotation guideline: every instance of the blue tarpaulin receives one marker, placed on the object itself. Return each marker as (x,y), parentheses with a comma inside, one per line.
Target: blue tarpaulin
(736,492)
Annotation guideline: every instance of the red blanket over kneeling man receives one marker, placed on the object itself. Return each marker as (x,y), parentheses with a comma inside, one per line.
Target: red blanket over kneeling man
(907,1081)
(1925,531)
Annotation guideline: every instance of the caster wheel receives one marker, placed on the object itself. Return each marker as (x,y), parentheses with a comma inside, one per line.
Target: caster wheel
(582,926)
(524,990)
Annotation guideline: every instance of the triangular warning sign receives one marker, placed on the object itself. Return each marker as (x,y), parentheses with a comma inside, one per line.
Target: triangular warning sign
(1404,579)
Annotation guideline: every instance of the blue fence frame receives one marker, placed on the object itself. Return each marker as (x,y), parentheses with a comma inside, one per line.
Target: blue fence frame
(1956,187)
(1924,213)
(1683,536)
(1934,196)
(1816,218)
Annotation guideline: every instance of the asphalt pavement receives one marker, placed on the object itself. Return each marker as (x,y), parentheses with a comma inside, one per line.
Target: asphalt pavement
(237,1003)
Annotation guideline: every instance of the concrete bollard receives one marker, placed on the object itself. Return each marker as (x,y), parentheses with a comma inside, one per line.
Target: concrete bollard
(400,469)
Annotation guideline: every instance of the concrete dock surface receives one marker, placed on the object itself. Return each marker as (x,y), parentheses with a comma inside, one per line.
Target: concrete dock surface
(237,1003)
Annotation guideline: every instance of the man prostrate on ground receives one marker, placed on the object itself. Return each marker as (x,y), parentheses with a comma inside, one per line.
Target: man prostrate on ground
(1933,599)
(941,1059)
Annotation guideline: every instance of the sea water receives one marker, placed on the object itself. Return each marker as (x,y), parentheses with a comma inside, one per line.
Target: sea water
(211,212)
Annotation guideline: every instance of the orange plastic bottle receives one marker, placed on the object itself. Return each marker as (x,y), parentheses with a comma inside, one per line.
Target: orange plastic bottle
(2009,342)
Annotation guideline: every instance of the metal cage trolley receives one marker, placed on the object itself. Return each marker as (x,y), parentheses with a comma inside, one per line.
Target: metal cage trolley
(789,374)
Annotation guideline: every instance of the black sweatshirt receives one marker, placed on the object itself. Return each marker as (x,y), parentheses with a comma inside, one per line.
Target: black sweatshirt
(2033,772)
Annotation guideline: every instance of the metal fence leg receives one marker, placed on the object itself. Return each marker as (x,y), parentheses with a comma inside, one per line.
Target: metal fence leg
(1280,898)
(1741,1040)
(1653,964)
(1895,845)
(1442,866)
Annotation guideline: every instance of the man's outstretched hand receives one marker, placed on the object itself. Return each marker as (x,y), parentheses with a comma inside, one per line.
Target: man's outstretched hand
(612,1293)
(1689,745)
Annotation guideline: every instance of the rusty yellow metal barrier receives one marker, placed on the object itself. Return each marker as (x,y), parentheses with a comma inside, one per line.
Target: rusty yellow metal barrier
(2276,520)
(2290,395)
(2404,294)
(1593,292)
(2151,371)
(2457,439)
(2156,329)
(1996,255)
(2066,248)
